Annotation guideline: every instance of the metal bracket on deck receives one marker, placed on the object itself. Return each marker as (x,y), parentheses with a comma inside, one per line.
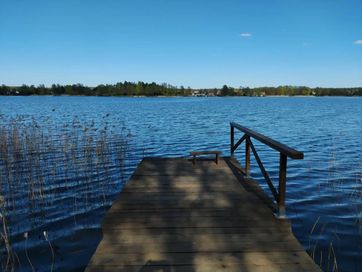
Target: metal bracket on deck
(281,214)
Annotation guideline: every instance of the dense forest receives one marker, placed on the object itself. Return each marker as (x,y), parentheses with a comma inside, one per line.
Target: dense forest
(154,89)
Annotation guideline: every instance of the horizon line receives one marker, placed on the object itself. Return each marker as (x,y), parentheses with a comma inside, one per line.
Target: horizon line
(180,86)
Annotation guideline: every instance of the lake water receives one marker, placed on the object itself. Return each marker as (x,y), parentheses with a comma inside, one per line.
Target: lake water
(324,191)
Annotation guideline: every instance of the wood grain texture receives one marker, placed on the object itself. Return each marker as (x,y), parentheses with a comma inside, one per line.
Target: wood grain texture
(176,216)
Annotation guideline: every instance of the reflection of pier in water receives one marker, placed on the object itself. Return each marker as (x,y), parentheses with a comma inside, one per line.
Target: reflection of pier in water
(174,215)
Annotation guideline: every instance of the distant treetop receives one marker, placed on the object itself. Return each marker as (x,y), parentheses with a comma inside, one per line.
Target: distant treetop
(153,89)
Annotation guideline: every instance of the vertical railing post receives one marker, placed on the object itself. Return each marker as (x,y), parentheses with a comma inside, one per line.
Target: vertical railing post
(247,156)
(282,185)
(231,141)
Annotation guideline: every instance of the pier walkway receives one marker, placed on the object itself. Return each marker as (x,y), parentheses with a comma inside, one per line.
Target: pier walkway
(175,216)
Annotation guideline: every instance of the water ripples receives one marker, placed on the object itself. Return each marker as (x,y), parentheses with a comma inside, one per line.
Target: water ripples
(324,191)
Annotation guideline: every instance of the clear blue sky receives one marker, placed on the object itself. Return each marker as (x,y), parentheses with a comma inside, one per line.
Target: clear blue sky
(197,43)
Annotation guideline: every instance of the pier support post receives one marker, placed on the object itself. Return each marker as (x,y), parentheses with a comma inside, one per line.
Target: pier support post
(282,185)
(231,141)
(247,156)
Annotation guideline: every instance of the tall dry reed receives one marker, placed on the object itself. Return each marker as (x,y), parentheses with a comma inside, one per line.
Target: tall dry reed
(49,171)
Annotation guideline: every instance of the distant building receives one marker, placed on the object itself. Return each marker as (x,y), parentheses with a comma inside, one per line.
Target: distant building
(197,93)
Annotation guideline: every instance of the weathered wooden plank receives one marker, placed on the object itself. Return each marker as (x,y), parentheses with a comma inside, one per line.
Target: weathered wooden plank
(165,266)
(253,239)
(198,259)
(156,224)
(173,216)
(181,185)
(184,187)
(203,200)
(194,216)
(186,231)
(200,243)
(164,211)
(177,167)
(183,213)
(286,247)
(177,204)
(193,179)
(187,199)
(200,196)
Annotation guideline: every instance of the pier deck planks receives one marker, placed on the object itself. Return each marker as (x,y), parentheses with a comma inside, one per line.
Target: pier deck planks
(176,216)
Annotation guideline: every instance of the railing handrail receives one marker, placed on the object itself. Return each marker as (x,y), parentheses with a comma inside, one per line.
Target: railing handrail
(282,148)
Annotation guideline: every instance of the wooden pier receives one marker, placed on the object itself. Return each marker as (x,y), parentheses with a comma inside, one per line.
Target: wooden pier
(176,215)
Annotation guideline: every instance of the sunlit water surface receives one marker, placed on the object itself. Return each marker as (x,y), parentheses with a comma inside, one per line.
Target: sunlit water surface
(324,191)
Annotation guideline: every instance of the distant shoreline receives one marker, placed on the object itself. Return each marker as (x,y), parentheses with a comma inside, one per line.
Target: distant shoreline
(183,96)
(142,89)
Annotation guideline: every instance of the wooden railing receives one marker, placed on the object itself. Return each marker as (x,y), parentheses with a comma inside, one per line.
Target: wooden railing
(285,152)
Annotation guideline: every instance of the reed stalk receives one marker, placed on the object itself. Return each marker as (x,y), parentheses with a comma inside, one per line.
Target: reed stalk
(44,167)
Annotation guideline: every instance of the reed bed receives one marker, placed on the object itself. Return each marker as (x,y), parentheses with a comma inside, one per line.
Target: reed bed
(51,173)
(326,238)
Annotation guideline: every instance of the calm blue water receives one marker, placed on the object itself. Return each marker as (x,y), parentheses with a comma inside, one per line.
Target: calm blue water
(324,191)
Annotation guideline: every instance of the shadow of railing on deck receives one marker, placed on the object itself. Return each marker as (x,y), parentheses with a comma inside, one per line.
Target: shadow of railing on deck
(174,216)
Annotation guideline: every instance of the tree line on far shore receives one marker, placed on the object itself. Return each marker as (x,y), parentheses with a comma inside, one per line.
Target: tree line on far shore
(153,89)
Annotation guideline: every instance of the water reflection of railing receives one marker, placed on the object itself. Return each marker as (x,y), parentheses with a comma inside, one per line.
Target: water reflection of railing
(285,152)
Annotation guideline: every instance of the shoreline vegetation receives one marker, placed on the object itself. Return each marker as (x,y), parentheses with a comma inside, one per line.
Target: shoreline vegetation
(153,89)
(55,179)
